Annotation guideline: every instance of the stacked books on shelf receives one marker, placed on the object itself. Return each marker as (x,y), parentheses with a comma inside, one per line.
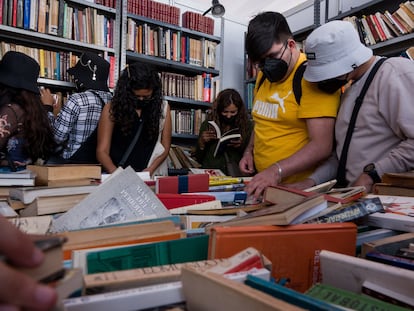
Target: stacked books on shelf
(382,26)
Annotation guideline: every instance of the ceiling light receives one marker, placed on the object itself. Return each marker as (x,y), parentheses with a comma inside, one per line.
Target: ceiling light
(217,9)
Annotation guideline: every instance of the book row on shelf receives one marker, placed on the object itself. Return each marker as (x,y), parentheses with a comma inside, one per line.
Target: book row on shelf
(200,87)
(187,121)
(382,26)
(60,18)
(177,228)
(170,44)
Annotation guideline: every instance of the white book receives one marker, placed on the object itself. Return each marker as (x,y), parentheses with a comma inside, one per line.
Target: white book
(350,273)
(121,198)
(139,298)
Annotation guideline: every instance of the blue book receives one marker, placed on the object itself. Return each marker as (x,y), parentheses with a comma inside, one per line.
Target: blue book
(26,14)
(289,295)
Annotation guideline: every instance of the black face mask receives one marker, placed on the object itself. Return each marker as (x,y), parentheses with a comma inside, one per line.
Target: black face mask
(227,121)
(274,69)
(142,103)
(332,85)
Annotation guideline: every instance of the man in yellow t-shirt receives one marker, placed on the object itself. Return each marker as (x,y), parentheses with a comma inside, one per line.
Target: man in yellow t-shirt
(290,139)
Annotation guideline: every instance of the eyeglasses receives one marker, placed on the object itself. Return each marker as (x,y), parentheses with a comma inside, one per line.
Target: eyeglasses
(260,64)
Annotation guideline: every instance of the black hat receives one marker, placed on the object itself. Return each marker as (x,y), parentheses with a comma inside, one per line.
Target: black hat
(19,71)
(92,71)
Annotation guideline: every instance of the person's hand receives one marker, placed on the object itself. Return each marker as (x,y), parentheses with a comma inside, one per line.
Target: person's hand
(246,163)
(47,98)
(205,137)
(364,180)
(17,290)
(266,178)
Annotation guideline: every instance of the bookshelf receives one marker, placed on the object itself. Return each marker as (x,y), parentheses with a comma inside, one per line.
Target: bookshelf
(69,28)
(184,57)
(388,47)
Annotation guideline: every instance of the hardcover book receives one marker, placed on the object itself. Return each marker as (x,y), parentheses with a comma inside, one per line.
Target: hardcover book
(293,250)
(123,197)
(182,184)
(404,179)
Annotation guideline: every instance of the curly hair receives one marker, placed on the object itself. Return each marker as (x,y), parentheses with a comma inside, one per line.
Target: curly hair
(38,134)
(224,99)
(137,76)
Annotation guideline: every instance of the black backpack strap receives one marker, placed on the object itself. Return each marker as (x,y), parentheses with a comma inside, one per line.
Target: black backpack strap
(341,174)
(297,81)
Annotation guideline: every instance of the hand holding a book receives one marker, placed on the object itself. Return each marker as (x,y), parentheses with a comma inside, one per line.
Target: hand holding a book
(269,177)
(18,290)
(206,136)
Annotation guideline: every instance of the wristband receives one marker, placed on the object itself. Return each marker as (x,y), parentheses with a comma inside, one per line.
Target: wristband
(279,172)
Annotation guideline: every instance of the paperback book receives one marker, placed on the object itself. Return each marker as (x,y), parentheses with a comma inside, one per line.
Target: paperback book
(224,139)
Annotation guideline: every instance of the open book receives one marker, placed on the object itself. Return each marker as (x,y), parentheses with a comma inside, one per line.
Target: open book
(224,138)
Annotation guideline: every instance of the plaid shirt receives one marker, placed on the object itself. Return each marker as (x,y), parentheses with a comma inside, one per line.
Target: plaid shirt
(77,119)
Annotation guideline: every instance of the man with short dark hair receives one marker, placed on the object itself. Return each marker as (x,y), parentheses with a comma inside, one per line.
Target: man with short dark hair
(292,134)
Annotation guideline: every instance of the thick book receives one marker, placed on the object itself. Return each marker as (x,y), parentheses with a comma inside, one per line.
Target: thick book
(281,213)
(123,197)
(211,291)
(224,138)
(293,250)
(390,189)
(182,184)
(350,272)
(50,175)
(390,260)
(404,179)
(343,298)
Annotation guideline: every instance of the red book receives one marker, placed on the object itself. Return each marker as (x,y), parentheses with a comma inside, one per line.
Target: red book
(173,200)
(182,184)
(293,250)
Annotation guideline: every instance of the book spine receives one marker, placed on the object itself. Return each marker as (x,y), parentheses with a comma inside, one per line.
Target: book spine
(356,210)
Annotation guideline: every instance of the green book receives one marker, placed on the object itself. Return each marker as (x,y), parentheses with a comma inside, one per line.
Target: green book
(349,299)
(148,255)
(289,295)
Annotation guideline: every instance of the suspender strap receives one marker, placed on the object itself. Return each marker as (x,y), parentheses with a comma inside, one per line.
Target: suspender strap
(341,174)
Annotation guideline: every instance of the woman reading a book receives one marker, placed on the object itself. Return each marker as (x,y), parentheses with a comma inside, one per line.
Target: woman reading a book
(223,138)
(135,128)
(25,133)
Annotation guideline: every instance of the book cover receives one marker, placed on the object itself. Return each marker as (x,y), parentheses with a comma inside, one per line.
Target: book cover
(350,272)
(147,255)
(358,209)
(173,201)
(289,295)
(293,250)
(343,298)
(123,197)
(390,260)
(182,184)
(211,291)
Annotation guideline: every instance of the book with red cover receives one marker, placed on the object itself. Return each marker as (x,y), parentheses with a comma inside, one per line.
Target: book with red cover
(182,184)
(293,250)
(173,200)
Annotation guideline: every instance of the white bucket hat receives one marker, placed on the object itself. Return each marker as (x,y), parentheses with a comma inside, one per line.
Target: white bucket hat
(332,50)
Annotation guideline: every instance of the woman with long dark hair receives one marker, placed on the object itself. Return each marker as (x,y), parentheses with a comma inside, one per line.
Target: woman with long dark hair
(25,133)
(137,103)
(229,114)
